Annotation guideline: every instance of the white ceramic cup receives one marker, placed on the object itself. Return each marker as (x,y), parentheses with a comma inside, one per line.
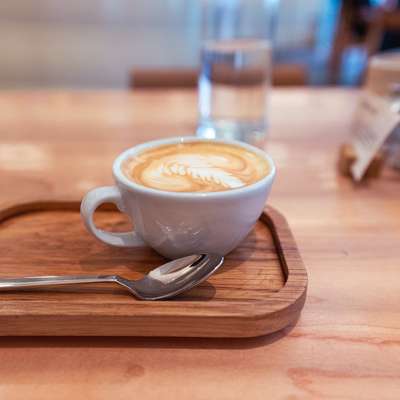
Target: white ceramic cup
(177,224)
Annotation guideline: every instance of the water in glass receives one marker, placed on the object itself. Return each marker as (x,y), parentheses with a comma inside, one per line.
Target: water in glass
(233,88)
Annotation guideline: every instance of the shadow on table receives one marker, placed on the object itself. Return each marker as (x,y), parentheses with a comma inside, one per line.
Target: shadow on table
(145,342)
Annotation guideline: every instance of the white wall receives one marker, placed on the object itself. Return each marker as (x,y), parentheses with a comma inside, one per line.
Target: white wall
(95,43)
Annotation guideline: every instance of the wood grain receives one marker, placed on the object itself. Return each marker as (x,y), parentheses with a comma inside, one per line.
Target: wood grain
(346,344)
(260,289)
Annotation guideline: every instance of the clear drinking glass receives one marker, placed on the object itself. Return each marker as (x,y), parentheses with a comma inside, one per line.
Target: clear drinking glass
(235,71)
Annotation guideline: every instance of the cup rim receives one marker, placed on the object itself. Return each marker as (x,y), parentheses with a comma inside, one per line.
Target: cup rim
(120,177)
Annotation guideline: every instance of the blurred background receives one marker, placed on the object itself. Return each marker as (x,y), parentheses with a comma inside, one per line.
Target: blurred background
(112,43)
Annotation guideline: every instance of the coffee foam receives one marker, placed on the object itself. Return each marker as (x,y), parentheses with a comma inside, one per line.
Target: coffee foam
(196,167)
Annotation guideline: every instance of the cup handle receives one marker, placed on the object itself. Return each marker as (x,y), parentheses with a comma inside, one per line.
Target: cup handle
(92,200)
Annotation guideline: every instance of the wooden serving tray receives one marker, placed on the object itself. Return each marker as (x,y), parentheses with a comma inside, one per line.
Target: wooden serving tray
(260,289)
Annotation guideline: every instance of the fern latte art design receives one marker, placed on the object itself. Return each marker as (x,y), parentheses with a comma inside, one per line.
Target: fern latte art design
(203,166)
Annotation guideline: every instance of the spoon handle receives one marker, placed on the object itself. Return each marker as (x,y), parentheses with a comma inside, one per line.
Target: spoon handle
(38,281)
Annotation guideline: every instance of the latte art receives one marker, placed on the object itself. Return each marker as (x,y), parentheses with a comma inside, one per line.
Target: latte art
(196,167)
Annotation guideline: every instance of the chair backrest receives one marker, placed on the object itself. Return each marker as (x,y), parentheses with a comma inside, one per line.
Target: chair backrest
(289,75)
(156,78)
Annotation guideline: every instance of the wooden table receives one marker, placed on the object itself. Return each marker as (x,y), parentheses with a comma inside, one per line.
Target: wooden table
(347,342)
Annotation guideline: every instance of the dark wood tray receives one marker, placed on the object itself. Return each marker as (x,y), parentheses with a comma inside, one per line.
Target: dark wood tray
(260,289)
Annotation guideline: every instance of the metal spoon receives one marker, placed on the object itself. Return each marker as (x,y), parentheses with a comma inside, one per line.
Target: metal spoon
(165,281)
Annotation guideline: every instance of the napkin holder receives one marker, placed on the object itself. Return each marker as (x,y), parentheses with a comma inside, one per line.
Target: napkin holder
(347,156)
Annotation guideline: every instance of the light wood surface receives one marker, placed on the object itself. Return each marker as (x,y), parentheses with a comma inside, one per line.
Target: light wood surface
(346,344)
(260,289)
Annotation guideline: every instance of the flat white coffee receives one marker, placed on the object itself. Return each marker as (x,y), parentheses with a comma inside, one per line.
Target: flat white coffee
(204,166)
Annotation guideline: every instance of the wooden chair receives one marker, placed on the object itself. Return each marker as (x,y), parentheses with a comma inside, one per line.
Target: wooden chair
(376,23)
(382,22)
(156,78)
(289,75)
